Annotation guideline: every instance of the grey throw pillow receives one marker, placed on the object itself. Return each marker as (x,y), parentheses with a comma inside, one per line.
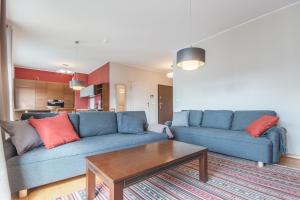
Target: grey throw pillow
(9,149)
(180,118)
(132,124)
(23,136)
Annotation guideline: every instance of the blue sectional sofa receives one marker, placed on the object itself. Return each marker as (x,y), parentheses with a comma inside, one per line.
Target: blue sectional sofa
(98,133)
(224,132)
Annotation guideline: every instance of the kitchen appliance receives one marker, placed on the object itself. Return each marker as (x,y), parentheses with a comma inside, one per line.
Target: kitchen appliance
(55,103)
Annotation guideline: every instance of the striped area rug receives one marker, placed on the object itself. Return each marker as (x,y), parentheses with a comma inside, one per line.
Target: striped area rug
(229,178)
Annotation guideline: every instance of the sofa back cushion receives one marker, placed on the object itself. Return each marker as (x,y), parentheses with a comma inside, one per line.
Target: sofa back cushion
(37,115)
(242,119)
(221,119)
(131,124)
(97,123)
(181,118)
(138,115)
(195,117)
(73,117)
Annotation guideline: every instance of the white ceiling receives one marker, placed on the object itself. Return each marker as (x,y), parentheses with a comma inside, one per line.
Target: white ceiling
(141,33)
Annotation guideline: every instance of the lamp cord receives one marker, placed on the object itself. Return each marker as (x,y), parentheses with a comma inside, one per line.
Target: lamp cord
(190,23)
(76,55)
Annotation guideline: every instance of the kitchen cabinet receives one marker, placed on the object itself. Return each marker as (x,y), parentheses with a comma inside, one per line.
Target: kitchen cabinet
(33,94)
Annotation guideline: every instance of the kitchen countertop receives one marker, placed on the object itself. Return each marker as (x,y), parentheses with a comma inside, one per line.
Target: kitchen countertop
(31,110)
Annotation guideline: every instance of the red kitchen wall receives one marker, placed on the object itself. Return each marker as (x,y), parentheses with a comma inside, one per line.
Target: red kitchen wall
(100,75)
(81,103)
(32,74)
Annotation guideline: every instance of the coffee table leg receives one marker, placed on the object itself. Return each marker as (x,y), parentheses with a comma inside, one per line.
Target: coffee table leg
(116,191)
(203,171)
(90,184)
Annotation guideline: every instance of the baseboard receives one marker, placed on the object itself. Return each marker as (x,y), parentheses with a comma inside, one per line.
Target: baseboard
(293,156)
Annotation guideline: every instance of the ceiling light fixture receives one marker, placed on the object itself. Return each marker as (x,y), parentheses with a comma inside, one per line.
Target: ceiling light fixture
(169,74)
(190,58)
(75,83)
(105,41)
(64,71)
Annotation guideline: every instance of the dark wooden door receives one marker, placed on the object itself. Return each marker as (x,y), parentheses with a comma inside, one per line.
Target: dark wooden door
(165,103)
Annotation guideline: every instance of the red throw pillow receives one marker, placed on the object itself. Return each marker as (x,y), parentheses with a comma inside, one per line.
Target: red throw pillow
(54,131)
(259,126)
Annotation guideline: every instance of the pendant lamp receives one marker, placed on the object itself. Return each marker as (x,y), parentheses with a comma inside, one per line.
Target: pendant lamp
(76,84)
(190,58)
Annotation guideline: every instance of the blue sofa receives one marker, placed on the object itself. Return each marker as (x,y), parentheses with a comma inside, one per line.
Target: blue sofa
(99,134)
(223,131)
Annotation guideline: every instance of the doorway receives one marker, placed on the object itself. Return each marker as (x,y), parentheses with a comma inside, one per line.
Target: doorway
(121,97)
(165,103)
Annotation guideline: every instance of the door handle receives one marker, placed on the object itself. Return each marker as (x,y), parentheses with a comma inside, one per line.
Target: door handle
(160,106)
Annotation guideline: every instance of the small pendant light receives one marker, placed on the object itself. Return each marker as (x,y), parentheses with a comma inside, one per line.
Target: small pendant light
(190,58)
(76,84)
(170,73)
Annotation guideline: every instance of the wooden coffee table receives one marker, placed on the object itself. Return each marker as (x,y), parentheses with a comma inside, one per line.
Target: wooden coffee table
(122,168)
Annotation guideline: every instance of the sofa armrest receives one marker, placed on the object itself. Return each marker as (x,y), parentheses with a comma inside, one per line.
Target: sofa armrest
(168,123)
(274,134)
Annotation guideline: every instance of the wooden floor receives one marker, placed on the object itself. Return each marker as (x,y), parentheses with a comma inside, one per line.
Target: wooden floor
(54,190)
(290,162)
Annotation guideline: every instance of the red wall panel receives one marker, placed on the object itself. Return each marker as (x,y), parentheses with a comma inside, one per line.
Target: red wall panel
(81,103)
(32,74)
(100,75)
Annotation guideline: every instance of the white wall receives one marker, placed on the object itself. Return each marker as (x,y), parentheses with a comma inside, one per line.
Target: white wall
(255,66)
(140,85)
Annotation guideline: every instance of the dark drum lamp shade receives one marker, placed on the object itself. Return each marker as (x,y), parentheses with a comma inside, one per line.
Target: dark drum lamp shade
(76,84)
(191,58)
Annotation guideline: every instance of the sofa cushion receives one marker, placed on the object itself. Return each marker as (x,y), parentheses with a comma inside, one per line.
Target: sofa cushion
(22,134)
(242,119)
(131,124)
(234,143)
(87,146)
(195,117)
(217,119)
(97,123)
(180,118)
(9,149)
(238,136)
(55,131)
(137,114)
(259,126)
